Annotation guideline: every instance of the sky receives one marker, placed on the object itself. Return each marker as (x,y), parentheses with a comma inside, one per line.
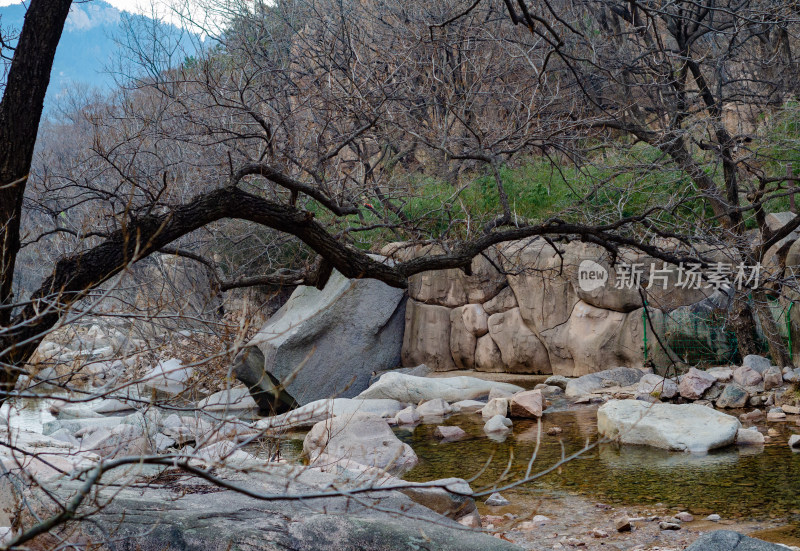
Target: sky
(163,9)
(133,6)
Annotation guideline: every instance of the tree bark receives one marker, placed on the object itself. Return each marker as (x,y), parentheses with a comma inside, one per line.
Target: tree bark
(20,114)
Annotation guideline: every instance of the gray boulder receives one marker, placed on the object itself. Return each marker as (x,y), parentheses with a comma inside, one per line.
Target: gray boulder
(658,386)
(756,363)
(728,540)
(267,391)
(206,518)
(326,343)
(619,376)
(734,396)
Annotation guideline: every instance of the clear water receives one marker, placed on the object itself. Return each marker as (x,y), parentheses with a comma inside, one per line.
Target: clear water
(752,483)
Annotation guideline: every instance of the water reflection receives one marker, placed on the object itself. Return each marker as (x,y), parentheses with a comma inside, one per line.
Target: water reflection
(753,482)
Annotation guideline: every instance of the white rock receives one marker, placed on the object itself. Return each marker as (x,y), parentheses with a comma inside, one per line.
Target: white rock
(362,438)
(794,441)
(186,429)
(168,376)
(232,399)
(495,406)
(684,427)
(407,416)
(498,425)
(467,406)
(721,374)
(434,408)
(162,442)
(652,385)
(410,389)
(749,437)
(496,500)
(314,412)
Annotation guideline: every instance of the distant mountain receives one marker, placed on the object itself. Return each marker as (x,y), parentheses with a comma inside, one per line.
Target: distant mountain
(89,46)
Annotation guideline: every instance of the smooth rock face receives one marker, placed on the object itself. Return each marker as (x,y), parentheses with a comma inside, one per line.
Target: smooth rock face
(310,414)
(684,427)
(520,349)
(733,396)
(327,343)
(694,383)
(151,519)
(487,355)
(528,404)
(619,376)
(410,389)
(362,438)
(407,416)
(462,340)
(656,385)
(426,339)
(727,540)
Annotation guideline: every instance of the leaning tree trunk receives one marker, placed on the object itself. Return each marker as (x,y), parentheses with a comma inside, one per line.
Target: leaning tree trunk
(20,114)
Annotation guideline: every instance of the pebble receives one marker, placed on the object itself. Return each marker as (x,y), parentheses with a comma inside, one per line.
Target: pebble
(496,500)
(622,524)
(776,414)
(791,410)
(773,433)
(598,533)
(714,517)
(449,433)
(663,525)
(794,441)
(754,415)
(554,431)
(683,516)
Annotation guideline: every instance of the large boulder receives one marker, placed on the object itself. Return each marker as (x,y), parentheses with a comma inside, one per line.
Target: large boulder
(310,414)
(268,392)
(520,350)
(427,336)
(451,287)
(679,427)
(360,439)
(619,376)
(728,540)
(207,518)
(326,343)
(407,388)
